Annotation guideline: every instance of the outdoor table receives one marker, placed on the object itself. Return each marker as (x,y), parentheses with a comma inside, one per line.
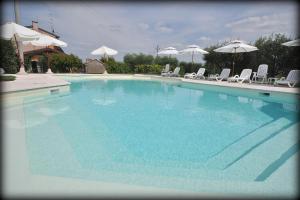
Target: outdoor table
(272,80)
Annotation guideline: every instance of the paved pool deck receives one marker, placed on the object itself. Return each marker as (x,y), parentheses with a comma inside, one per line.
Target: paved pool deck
(31,82)
(38,81)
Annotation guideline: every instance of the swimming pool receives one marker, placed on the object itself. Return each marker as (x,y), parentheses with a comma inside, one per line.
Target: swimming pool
(158,133)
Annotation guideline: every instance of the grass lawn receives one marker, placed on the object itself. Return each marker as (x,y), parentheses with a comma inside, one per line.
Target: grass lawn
(7,78)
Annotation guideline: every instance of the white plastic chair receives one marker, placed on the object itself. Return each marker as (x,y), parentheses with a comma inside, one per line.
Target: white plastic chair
(176,72)
(245,76)
(291,80)
(166,70)
(200,74)
(261,73)
(223,76)
(2,71)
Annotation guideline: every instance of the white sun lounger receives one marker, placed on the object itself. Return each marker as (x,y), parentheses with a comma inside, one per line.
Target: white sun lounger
(172,74)
(223,76)
(261,73)
(245,76)
(166,70)
(2,71)
(200,74)
(291,80)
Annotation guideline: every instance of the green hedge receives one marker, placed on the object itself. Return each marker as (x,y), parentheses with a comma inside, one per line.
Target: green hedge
(117,67)
(63,63)
(7,78)
(148,69)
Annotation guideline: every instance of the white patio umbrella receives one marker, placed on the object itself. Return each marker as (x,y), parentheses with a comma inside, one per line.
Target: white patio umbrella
(292,43)
(104,51)
(193,49)
(236,46)
(168,51)
(19,33)
(46,41)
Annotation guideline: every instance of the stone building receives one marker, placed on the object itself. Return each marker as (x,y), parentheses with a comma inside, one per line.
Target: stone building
(94,66)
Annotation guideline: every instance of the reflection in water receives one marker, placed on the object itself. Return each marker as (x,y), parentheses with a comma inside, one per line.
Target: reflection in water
(223,96)
(243,99)
(104,102)
(16,124)
(127,86)
(50,112)
(258,103)
(290,107)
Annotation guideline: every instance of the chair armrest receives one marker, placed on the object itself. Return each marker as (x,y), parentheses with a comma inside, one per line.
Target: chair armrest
(254,73)
(236,76)
(282,78)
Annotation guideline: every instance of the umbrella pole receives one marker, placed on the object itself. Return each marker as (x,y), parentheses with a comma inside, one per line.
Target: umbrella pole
(233,62)
(21,56)
(49,71)
(192,57)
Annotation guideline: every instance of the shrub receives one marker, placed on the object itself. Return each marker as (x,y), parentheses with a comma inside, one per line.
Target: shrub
(43,62)
(7,78)
(116,67)
(9,59)
(27,63)
(166,60)
(63,63)
(148,69)
(188,67)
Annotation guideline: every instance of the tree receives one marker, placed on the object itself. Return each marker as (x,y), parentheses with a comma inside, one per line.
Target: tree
(189,67)
(271,52)
(215,61)
(9,59)
(279,58)
(163,60)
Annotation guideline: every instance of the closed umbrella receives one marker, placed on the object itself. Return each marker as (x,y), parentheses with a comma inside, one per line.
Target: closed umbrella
(19,33)
(234,47)
(104,51)
(46,41)
(193,49)
(292,43)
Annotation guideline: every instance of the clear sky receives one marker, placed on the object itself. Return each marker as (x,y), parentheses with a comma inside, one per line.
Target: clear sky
(133,27)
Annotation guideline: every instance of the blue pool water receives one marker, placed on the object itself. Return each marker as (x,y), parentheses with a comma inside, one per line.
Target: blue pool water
(131,131)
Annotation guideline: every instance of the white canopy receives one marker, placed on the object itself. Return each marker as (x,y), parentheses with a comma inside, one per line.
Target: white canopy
(193,49)
(292,43)
(103,50)
(236,46)
(46,40)
(168,51)
(9,29)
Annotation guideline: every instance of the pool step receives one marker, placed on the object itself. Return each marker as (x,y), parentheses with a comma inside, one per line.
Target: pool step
(264,160)
(244,145)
